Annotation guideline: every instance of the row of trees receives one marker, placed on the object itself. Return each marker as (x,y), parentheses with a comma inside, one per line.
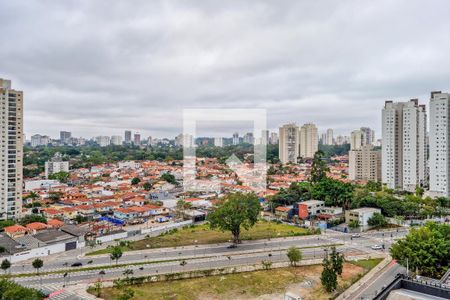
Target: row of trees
(426,250)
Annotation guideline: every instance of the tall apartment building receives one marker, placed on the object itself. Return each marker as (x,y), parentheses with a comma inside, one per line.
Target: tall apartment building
(55,165)
(439,161)
(235,138)
(116,140)
(289,143)
(40,140)
(273,138)
(368,136)
(127,137)
(364,164)
(356,140)
(64,136)
(309,140)
(11,150)
(137,139)
(404,144)
(103,141)
(248,138)
(218,142)
(329,139)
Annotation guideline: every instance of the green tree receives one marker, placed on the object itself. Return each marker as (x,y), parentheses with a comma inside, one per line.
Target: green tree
(426,249)
(295,255)
(6,264)
(60,176)
(37,264)
(319,167)
(337,260)
(181,208)
(377,220)
(147,186)
(236,211)
(116,253)
(169,178)
(328,277)
(32,218)
(10,290)
(135,181)
(333,192)
(353,224)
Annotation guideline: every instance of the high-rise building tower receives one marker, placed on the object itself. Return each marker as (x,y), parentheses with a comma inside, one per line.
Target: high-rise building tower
(137,139)
(309,140)
(364,164)
(368,136)
(127,137)
(439,161)
(329,137)
(235,138)
(218,142)
(11,150)
(64,136)
(404,144)
(289,143)
(356,140)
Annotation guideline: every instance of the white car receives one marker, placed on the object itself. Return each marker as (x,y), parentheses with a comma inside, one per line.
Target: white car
(356,235)
(377,247)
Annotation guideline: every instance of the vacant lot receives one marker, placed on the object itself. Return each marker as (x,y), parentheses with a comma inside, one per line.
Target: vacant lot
(271,284)
(201,234)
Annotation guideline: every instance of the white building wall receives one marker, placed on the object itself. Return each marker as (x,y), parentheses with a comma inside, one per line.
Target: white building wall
(439,161)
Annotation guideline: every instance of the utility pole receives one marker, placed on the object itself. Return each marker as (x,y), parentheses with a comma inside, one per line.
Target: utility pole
(407,267)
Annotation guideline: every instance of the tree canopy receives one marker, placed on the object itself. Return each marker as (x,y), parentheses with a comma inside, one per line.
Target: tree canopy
(236,211)
(427,249)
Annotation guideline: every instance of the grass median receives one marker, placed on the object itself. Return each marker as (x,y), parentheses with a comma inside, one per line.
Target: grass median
(202,234)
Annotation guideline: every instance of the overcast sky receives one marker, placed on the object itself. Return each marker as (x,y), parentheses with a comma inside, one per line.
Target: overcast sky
(100,67)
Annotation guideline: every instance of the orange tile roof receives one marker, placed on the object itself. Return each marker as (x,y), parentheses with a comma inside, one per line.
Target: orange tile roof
(36,226)
(15,228)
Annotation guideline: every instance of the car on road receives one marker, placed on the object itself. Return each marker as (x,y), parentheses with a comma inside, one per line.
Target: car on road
(356,235)
(232,246)
(377,247)
(102,272)
(76,264)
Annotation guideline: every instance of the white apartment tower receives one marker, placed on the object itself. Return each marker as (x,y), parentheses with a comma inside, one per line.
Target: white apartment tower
(329,137)
(289,143)
(309,140)
(218,142)
(356,140)
(11,150)
(404,145)
(439,161)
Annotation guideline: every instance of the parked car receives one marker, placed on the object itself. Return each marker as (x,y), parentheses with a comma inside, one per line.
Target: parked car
(356,235)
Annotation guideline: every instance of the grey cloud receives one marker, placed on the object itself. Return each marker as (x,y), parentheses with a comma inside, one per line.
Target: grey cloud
(99,67)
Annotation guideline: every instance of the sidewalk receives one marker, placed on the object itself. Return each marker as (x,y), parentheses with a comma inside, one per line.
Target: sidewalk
(355,288)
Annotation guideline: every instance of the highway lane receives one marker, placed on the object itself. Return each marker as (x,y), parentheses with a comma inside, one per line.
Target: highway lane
(56,263)
(176,253)
(171,267)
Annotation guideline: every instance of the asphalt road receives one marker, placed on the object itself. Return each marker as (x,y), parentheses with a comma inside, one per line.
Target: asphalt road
(171,267)
(364,243)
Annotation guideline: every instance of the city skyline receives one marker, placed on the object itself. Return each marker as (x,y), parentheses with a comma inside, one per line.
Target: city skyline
(186,55)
